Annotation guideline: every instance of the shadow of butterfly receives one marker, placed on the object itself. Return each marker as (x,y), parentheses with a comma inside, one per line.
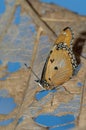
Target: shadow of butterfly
(60,63)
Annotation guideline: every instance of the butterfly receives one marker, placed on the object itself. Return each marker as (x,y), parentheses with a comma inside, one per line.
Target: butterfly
(61,63)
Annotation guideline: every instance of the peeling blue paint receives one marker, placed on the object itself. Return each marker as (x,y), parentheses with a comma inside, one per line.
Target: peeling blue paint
(20,120)
(43,93)
(24,19)
(7,105)
(76,6)
(0,62)
(2,7)
(5,77)
(17,15)
(13,66)
(51,120)
(11,3)
(80,84)
(32,28)
(72,106)
(65,127)
(6,122)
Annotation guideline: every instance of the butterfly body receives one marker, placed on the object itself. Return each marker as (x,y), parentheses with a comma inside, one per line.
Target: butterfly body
(60,63)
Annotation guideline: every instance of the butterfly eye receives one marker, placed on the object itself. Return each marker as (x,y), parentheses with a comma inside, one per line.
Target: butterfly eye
(56,68)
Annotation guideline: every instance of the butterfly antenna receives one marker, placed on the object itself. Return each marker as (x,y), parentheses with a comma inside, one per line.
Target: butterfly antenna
(32,71)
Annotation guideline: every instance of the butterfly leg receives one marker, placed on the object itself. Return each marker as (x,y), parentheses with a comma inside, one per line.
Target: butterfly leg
(52,100)
(66,90)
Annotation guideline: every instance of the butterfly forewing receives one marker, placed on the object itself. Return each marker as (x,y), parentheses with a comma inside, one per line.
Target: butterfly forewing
(66,36)
(58,68)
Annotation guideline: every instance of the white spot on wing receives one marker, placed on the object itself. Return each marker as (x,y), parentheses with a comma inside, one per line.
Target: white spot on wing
(61,63)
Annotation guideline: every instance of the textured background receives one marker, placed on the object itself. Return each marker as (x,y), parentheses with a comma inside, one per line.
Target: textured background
(21,41)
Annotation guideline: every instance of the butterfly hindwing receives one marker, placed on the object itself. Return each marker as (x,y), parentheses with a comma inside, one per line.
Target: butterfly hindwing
(59,64)
(59,68)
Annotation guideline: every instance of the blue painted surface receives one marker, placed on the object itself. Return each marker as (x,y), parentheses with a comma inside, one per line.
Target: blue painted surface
(7,105)
(74,5)
(43,93)
(77,6)
(20,120)
(13,66)
(65,127)
(5,77)
(32,28)
(2,7)
(0,62)
(11,3)
(6,122)
(4,93)
(50,120)
(72,106)
(17,17)
(80,84)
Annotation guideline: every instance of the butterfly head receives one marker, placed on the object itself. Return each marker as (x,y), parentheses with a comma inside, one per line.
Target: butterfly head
(43,84)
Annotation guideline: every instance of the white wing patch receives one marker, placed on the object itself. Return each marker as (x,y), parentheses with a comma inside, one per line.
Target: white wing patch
(61,63)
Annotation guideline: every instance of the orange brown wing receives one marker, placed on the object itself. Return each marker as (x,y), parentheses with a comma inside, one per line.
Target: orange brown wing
(61,62)
(58,69)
